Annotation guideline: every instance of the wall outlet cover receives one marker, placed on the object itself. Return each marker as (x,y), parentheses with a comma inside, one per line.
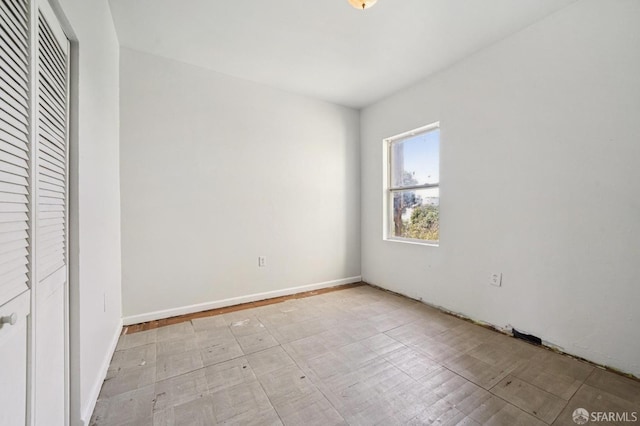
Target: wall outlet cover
(496,279)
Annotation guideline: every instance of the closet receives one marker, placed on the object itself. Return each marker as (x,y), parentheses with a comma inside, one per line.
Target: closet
(34,93)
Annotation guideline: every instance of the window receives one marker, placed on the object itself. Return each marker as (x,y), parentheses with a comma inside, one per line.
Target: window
(413,186)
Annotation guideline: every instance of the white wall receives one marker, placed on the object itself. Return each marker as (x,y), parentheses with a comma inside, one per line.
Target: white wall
(95,201)
(217,171)
(540,178)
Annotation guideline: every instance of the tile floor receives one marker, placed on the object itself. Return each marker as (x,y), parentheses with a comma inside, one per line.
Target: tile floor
(359,356)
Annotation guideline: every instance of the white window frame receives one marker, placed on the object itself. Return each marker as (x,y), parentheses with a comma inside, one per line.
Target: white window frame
(387,222)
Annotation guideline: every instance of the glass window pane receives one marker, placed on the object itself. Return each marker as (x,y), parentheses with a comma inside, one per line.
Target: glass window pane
(415,160)
(416,214)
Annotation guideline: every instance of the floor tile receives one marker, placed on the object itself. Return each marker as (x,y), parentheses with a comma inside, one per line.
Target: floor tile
(355,330)
(257,342)
(195,412)
(177,364)
(382,344)
(175,331)
(341,360)
(431,315)
(415,364)
(180,389)
(286,384)
(399,405)
(615,384)
(222,351)
(479,372)
(202,412)
(497,412)
(390,320)
(309,347)
(213,336)
(594,399)
(440,413)
(409,333)
(434,349)
(554,373)
(351,390)
(135,357)
(533,400)
(466,337)
(369,310)
(230,373)
(208,323)
(176,346)
(505,351)
(129,341)
(247,326)
(126,409)
(273,319)
(300,330)
(309,409)
(127,379)
(444,383)
(269,360)
(242,401)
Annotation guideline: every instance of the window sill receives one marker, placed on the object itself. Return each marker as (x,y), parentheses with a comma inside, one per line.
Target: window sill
(412,241)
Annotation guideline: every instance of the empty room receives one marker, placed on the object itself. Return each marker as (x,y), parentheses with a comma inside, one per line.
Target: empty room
(340,212)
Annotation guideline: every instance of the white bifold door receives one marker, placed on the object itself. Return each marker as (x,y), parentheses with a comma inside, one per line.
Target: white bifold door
(34,86)
(15,202)
(51,218)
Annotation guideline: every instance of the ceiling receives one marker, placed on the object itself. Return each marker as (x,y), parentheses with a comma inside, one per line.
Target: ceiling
(325,48)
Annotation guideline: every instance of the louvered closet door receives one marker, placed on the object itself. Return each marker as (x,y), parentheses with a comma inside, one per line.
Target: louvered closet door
(51,219)
(14,208)
(14,148)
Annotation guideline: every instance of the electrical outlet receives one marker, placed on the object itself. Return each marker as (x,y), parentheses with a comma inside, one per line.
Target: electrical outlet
(496,279)
(262,261)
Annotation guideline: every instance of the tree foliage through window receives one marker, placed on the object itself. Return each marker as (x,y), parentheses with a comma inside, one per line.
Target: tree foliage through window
(414,185)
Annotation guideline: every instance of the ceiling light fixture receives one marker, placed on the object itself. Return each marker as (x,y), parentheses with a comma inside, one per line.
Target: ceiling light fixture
(362,4)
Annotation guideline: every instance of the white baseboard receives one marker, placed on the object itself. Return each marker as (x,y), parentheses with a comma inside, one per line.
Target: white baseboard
(189,309)
(102,374)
